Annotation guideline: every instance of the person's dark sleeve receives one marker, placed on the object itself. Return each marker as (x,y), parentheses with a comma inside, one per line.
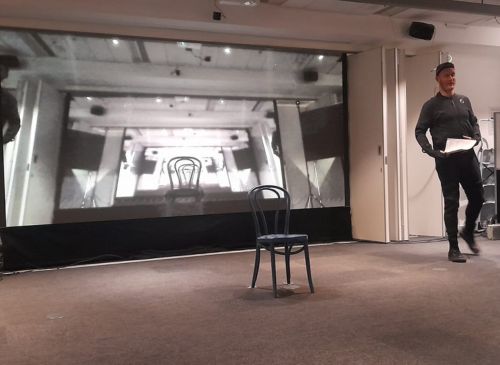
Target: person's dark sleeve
(10,117)
(423,124)
(473,122)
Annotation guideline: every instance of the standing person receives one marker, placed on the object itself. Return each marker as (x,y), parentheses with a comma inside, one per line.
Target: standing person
(9,116)
(449,115)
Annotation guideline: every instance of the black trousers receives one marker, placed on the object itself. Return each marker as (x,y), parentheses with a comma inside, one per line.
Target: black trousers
(460,168)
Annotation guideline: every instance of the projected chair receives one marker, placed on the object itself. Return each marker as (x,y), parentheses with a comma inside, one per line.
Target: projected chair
(275,237)
(184,176)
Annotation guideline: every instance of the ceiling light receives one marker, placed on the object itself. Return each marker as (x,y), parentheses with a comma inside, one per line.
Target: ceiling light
(227,50)
(89,98)
(320,57)
(115,42)
(181,44)
(159,100)
(221,101)
(181,99)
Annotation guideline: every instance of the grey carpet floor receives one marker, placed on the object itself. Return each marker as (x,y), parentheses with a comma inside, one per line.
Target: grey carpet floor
(375,304)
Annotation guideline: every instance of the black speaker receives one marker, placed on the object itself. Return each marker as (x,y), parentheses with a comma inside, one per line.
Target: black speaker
(244,159)
(310,75)
(421,30)
(98,110)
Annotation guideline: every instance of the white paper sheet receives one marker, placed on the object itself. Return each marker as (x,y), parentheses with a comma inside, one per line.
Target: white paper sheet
(456,145)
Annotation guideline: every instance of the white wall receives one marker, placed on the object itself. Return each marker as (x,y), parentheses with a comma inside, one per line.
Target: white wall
(40,193)
(17,179)
(268,166)
(109,168)
(293,158)
(478,77)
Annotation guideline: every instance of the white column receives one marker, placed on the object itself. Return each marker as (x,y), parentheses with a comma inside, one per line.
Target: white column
(293,155)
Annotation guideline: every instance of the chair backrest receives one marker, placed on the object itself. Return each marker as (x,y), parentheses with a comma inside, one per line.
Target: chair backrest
(184,172)
(281,214)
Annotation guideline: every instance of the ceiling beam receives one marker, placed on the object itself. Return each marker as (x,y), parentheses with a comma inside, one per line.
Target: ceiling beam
(441,5)
(167,119)
(141,51)
(36,44)
(71,75)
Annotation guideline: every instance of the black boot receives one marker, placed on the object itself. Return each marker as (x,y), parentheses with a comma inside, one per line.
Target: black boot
(468,236)
(454,255)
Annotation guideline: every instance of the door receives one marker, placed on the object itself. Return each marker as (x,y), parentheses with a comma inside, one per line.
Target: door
(425,207)
(367,146)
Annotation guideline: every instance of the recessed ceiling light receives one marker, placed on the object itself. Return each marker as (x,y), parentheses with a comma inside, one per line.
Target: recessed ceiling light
(227,50)
(89,98)
(221,101)
(181,99)
(158,100)
(181,44)
(320,57)
(115,42)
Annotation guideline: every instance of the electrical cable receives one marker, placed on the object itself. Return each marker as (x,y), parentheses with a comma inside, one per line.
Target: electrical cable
(86,261)
(202,59)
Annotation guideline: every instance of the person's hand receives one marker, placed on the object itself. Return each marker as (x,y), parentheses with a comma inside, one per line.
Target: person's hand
(439,154)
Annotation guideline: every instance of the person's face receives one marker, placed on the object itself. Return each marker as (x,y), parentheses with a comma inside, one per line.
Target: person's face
(446,80)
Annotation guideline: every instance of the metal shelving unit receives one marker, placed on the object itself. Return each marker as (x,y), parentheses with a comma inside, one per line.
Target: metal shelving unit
(487,165)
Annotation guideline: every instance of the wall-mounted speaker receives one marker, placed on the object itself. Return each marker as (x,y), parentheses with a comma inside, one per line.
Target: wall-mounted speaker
(98,110)
(310,75)
(9,61)
(421,30)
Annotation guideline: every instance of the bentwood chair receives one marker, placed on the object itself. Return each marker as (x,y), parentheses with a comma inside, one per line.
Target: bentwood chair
(275,237)
(184,176)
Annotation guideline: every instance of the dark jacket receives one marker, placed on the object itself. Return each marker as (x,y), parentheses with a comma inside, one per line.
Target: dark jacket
(446,117)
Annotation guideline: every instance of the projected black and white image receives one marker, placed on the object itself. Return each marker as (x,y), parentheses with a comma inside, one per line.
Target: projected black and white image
(124,128)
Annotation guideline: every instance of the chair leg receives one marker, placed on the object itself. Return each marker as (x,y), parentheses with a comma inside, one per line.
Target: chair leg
(287,263)
(273,271)
(308,268)
(256,266)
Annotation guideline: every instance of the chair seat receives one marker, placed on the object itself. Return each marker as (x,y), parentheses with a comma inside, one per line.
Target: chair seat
(283,238)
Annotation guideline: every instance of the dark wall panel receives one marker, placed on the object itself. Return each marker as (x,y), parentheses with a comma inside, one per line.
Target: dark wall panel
(56,245)
(323,132)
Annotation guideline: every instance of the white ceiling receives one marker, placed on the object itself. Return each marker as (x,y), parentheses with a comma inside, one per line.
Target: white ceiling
(349,26)
(356,8)
(169,112)
(125,65)
(334,6)
(102,49)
